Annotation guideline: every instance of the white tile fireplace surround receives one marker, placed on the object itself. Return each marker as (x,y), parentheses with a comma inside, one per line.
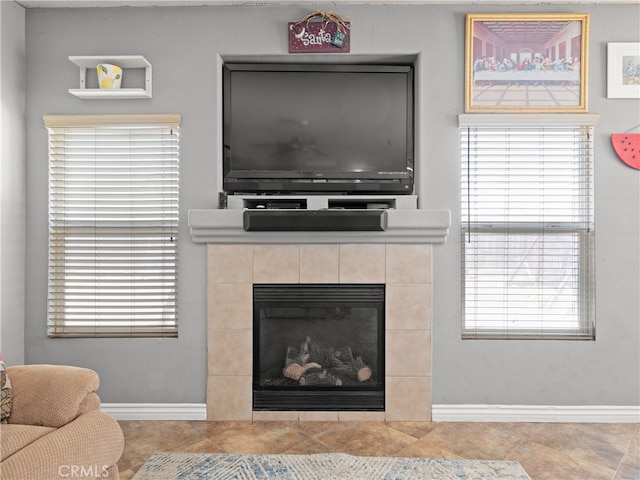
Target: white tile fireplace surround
(404,269)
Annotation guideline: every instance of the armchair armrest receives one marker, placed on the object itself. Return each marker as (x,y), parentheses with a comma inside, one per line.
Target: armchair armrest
(88,447)
(51,395)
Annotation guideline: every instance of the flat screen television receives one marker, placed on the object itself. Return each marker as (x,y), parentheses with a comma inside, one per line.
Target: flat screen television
(296,128)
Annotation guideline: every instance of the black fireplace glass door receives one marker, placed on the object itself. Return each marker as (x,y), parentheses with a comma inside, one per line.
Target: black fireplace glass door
(319,346)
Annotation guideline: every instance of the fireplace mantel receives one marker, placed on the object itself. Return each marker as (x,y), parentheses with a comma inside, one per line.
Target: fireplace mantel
(403,226)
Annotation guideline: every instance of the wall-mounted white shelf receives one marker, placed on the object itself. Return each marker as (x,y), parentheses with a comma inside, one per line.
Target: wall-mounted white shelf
(124,61)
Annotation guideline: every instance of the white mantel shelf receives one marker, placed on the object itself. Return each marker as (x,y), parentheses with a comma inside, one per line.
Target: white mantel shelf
(403,226)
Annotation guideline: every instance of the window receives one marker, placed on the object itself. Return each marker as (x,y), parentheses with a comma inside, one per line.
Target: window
(527,231)
(113,225)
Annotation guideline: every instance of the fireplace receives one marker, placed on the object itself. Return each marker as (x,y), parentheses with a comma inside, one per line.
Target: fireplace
(318,347)
(403,270)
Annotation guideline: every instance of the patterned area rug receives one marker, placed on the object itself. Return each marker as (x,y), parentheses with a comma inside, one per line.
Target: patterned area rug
(323,466)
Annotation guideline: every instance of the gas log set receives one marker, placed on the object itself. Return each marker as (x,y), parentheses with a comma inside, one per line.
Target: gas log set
(313,365)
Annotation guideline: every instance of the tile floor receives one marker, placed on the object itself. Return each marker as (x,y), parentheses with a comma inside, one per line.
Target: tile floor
(553,451)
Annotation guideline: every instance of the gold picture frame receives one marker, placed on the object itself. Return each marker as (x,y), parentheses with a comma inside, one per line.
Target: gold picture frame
(526,62)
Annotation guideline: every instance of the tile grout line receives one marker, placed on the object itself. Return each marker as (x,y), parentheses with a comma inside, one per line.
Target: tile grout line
(624,455)
(574,459)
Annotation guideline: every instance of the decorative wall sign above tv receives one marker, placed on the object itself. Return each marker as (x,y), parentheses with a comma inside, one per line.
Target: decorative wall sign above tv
(526,62)
(320,32)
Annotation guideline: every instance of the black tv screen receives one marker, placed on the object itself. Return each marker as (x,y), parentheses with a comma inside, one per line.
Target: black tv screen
(318,128)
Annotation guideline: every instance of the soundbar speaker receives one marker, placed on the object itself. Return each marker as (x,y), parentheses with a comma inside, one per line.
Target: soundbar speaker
(315,220)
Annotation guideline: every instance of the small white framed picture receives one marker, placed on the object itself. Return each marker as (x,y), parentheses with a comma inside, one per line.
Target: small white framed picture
(623,70)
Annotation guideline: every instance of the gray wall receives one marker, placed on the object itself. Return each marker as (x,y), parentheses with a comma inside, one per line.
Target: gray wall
(12,182)
(185,45)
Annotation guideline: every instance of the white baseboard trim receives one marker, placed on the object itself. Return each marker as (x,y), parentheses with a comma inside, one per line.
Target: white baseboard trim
(156,411)
(439,413)
(536,413)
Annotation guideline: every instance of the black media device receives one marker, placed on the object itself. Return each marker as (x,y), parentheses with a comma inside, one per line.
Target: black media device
(331,220)
(318,128)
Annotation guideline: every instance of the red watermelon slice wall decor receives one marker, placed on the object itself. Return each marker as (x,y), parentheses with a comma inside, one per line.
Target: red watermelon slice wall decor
(627,147)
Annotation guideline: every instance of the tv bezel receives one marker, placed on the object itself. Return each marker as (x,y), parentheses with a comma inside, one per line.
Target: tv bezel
(295,182)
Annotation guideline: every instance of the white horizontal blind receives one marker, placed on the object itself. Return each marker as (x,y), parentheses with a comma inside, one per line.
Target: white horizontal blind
(113,227)
(527,232)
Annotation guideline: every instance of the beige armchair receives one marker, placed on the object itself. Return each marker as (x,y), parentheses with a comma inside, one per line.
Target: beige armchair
(56,429)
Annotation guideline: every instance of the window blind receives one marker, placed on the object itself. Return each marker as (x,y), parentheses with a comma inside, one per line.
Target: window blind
(527,232)
(113,225)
